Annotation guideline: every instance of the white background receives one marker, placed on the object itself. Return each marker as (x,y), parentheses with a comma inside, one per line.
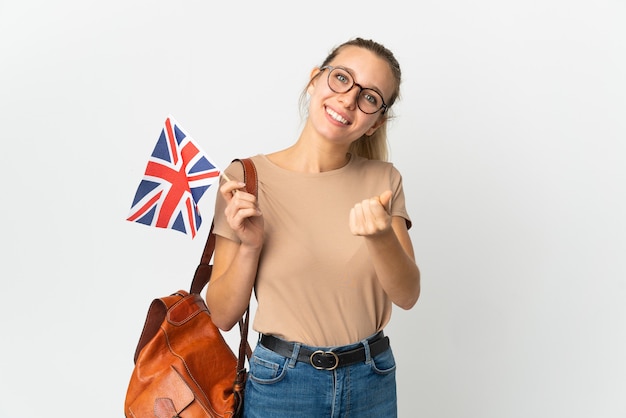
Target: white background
(510,136)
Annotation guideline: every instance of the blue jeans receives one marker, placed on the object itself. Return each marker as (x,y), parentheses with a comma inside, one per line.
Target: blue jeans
(282,387)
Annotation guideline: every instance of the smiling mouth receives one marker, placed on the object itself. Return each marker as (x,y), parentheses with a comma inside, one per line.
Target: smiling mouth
(336,116)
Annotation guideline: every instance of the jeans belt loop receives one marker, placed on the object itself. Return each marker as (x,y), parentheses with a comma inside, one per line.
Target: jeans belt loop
(294,355)
(368,355)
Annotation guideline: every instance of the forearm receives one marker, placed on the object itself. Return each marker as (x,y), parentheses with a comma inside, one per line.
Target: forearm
(230,288)
(395,267)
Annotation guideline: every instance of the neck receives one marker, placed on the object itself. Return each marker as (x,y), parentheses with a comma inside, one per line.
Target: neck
(310,160)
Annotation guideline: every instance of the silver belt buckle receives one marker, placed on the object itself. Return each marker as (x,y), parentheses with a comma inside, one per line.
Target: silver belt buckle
(320,352)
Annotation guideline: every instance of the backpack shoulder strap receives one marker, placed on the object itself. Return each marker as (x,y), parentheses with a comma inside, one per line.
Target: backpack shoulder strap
(202,274)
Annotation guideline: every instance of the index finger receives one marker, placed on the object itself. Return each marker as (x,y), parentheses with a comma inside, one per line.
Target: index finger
(231,186)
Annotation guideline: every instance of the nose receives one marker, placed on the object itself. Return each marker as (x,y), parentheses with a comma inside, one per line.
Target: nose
(350,98)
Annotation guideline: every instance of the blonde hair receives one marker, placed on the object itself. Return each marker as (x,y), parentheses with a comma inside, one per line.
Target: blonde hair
(372,147)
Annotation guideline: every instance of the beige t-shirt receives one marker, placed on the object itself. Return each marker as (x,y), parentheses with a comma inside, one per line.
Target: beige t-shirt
(315,283)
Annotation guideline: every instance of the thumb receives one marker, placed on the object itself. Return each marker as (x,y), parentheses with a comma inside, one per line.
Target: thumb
(385,198)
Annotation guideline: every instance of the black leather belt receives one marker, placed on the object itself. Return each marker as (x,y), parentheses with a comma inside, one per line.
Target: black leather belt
(327,360)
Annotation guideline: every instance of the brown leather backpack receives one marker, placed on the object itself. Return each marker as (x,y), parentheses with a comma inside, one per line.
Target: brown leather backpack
(183,366)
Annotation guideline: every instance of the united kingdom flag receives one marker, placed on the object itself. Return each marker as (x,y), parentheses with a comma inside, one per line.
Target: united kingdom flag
(177,175)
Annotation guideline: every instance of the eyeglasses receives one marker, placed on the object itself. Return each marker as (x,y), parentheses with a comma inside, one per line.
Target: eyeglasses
(341,81)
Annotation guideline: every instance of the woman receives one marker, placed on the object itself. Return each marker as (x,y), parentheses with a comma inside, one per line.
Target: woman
(326,248)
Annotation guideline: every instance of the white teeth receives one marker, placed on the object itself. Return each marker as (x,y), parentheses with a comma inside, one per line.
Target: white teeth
(336,116)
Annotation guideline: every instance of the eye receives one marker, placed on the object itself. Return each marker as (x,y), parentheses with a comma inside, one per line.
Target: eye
(371,96)
(341,77)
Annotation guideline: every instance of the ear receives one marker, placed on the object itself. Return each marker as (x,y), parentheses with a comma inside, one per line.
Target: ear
(315,72)
(376,125)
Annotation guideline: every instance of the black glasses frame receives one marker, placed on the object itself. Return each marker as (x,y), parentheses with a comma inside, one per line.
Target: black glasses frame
(330,69)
